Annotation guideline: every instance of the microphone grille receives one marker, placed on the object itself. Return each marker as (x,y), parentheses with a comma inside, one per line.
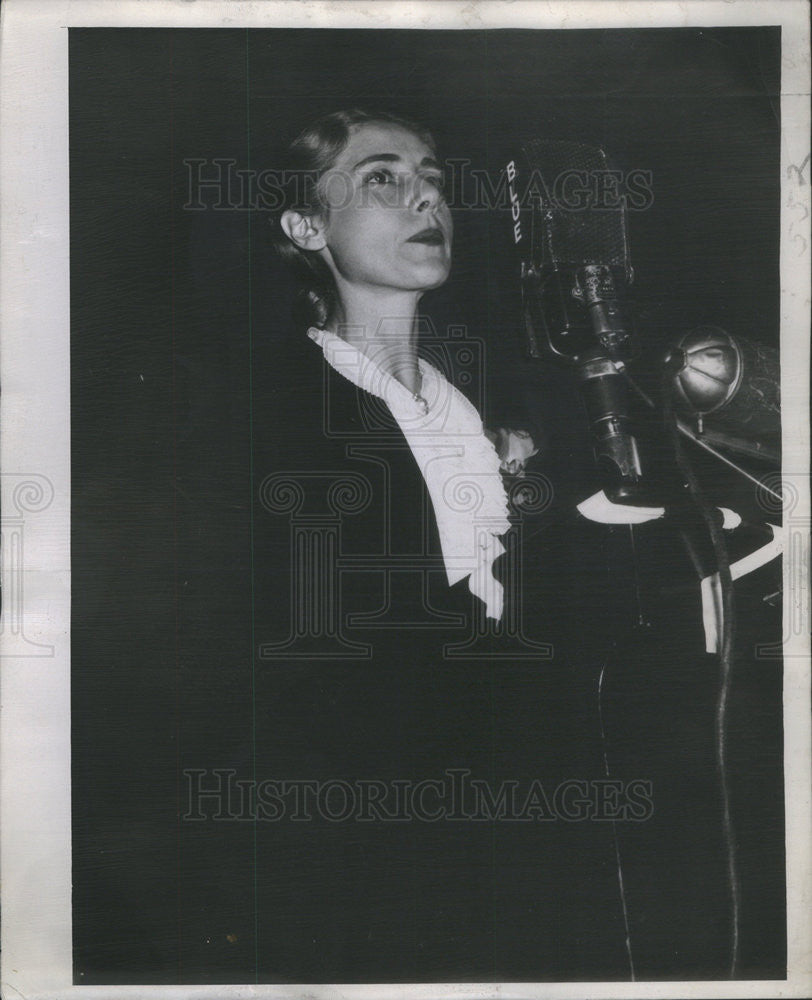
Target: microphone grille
(583,212)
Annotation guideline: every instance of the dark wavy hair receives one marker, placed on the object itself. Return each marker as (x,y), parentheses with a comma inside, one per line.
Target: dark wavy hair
(313,152)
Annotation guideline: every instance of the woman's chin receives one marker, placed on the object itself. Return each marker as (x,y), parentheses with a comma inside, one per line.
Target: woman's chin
(432,277)
(421,278)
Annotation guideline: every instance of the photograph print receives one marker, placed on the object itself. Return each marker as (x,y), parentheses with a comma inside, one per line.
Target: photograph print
(427,505)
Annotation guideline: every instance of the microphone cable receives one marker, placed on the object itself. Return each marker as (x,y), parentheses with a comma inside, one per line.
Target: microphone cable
(618,862)
(726,653)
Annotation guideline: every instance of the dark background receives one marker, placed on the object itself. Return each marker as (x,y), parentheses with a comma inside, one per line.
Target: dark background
(178,322)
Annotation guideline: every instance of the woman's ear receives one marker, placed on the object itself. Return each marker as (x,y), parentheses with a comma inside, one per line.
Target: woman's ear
(305,231)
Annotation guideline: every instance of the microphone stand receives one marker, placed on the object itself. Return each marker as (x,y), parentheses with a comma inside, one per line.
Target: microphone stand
(558,245)
(602,372)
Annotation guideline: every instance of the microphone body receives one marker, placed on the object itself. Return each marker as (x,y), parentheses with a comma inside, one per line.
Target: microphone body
(603,390)
(575,270)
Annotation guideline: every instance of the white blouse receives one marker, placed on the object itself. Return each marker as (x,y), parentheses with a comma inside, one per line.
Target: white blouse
(459,464)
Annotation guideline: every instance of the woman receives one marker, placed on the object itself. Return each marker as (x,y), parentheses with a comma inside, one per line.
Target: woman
(370,235)
(397,513)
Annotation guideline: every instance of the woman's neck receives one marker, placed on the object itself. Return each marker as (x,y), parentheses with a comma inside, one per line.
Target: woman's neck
(384,327)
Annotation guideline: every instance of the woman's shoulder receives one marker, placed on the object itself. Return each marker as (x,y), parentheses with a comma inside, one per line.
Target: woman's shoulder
(312,413)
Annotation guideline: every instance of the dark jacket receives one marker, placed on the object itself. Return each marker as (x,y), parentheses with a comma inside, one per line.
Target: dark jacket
(371,668)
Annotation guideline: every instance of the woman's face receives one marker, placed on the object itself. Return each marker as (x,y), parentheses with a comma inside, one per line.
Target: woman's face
(386,223)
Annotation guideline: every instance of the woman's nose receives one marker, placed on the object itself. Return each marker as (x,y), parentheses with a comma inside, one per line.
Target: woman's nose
(427,194)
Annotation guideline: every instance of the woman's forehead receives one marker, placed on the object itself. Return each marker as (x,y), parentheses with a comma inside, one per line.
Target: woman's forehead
(385,139)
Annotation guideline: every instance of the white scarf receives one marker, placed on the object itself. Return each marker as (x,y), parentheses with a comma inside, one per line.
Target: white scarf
(457,461)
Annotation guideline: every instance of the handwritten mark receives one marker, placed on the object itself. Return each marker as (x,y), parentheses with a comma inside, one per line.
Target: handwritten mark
(798,170)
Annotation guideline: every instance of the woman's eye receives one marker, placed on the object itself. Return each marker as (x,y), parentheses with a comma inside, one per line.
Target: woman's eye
(437,180)
(379,177)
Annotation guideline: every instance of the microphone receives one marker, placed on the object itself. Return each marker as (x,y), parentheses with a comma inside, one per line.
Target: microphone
(568,224)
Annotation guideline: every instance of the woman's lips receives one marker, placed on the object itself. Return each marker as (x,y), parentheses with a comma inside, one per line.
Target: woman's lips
(432,237)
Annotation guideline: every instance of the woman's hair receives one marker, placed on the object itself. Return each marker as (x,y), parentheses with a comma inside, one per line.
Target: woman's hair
(310,155)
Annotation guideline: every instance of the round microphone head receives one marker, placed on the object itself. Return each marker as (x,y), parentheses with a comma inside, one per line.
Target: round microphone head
(711,371)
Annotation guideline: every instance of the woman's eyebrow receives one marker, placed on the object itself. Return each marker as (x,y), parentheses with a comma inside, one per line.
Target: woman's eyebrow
(427,161)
